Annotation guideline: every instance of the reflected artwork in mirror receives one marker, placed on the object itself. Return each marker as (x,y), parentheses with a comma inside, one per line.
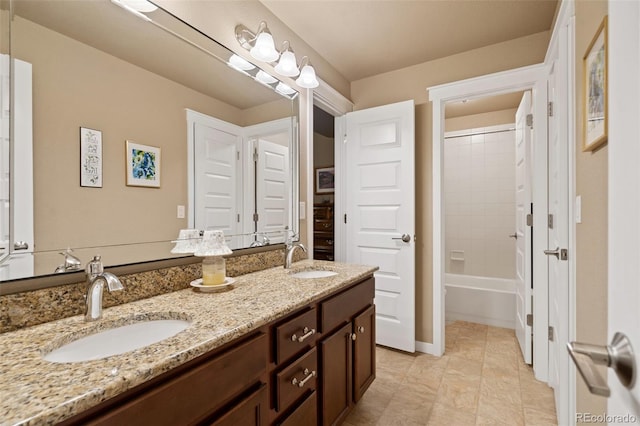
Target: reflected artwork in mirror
(229,139)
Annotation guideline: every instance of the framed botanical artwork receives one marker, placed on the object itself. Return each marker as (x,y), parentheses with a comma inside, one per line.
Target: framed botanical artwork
(90,158)
(142,165)
(595,90)
(325,180)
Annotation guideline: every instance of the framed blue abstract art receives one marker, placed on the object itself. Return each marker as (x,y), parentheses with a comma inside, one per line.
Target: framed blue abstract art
(143,165)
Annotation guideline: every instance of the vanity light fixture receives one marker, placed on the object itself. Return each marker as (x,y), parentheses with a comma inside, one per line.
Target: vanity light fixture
(261,46)
(240,63)
(287,65)
(307,78)
(129,8)
(143,6)
(284,89)
(265,78)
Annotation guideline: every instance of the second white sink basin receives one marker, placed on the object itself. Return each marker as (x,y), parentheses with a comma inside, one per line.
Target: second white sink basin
(314,274)
(117,340)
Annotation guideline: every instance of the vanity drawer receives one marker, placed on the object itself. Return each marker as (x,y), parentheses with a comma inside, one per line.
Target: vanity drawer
(251,411)
(345,305)
(296,380)
(196,394)
(305,414)
(296,335)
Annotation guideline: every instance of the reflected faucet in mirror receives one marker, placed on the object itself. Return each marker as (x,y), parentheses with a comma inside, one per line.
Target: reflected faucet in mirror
(71,262)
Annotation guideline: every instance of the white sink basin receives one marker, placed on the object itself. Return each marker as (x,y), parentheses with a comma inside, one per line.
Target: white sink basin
(314,274)
(116,341)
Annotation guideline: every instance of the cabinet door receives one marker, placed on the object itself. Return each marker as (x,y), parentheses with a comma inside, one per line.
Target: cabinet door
(364,351)
(336,375)
(252,411)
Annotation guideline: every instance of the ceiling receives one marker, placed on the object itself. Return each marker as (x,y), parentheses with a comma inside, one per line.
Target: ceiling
(361,38)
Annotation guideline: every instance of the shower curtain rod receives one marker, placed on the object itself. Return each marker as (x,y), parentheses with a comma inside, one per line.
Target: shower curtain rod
(481,133)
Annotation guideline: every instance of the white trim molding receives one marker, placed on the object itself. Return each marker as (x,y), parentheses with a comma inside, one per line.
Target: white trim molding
(531,77)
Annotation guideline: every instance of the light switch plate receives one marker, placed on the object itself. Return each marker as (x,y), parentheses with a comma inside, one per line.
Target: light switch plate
(181,212)
(303,210)
(578,209)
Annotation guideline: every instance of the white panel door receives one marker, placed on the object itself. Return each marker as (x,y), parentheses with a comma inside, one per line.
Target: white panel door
(380,209)
(558,230)
(624,198)
(523,232)
(272,189)
(217,181)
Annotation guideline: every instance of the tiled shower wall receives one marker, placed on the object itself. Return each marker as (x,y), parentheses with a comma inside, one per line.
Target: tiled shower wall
(479,202)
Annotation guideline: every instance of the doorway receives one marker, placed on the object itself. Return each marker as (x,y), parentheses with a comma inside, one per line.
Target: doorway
(324,185)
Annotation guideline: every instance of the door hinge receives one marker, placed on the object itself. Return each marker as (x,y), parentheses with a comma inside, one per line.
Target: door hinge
(550,221)
(530,120)
(550,334)
(345,218)
(255,154)
(550,109)
(255,217)
(237,155)
(530,320)
(238,218)
(529,219)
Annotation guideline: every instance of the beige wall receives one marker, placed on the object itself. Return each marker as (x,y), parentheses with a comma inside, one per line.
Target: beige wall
(591,234)
(412,83)
(75,85)
(485,119)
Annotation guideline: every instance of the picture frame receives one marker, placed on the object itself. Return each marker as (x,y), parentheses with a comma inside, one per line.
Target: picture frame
(142,165)
(90,158)
(595,86)
(325,180)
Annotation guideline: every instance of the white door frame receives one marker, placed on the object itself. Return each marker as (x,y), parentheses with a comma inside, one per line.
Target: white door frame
(530,77)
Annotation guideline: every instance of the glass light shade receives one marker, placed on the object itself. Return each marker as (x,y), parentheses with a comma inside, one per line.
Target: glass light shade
(264,49)
(265,77)
(307,78)
(187,242)
(287,65)
(240,63)
(140,5)
(284,89)
(212,244)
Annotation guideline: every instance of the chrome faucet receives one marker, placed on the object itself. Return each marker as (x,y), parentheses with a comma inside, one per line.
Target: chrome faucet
(96,279)
(290,249)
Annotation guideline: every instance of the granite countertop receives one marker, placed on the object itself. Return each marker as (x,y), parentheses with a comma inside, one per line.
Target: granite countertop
(34,391)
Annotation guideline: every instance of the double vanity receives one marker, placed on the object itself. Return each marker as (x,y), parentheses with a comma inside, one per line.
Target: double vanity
(283,346)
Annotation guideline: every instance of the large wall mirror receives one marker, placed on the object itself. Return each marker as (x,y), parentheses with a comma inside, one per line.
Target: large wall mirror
(93,85)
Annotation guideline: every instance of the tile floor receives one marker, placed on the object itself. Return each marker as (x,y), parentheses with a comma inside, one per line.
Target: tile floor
(481,380)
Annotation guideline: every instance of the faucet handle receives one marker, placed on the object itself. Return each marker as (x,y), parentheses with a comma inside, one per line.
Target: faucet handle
(94,267)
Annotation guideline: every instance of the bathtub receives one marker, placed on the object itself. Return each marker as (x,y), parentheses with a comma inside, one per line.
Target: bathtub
(482,300)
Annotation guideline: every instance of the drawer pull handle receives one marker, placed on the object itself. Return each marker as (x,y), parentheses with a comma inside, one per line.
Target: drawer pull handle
(361,329)
(326,225)
(307,333)
(354,336)
(308,375)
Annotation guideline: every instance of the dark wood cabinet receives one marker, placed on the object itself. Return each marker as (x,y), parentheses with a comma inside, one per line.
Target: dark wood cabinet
(347,352)
(306,368)
(323,224)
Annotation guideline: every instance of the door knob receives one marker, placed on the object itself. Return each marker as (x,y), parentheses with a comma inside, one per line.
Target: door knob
(618,355)
(405,238)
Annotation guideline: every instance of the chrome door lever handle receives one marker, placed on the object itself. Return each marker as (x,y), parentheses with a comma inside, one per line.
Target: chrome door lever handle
(514,235)
(405,238)
(618,355)
(561,254)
